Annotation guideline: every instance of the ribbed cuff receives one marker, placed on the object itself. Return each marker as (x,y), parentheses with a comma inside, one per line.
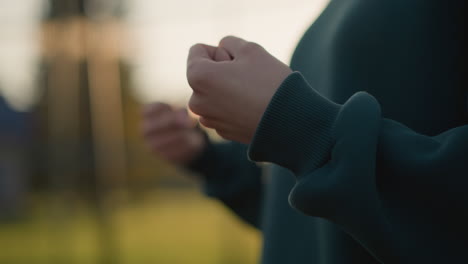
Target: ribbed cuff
(295,130)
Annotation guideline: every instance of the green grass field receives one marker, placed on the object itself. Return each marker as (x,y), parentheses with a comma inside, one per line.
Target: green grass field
(166,226)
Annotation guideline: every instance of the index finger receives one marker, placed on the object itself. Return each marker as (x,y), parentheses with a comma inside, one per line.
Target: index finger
(201,52)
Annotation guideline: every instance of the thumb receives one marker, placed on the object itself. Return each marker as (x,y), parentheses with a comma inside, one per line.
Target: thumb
(232,45)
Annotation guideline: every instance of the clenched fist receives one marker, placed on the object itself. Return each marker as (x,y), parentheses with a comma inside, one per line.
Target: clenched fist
(232,85)
(171,133)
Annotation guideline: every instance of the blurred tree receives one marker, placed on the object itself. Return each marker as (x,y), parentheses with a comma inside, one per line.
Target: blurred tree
(66,8)
(83,114)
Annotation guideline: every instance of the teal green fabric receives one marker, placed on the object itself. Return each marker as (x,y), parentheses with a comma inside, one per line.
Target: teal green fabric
(231,178)
(367,141)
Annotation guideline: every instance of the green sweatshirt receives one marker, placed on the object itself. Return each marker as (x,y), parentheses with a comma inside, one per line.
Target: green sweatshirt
(367,141)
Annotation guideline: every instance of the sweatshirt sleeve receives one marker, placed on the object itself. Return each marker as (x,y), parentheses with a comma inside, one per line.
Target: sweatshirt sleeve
(227,175)
(402,195)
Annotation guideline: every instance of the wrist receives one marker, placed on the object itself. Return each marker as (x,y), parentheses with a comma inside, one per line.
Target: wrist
(295,130)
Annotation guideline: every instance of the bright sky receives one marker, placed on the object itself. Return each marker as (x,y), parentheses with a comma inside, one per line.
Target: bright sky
(19,51)
(160,35)
(163,32)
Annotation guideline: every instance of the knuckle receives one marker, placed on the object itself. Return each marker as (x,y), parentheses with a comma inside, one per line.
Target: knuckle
(226,38)
(195,47)
(251,47)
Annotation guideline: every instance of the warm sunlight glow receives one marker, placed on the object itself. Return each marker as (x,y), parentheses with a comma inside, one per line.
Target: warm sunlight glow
(163,31)
(19,51)
(160,34)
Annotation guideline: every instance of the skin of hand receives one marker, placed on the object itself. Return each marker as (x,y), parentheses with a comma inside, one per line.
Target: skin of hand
(171,133)
(232,85)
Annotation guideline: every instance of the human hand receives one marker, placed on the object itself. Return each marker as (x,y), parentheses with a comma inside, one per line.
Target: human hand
(232,85)
(171,133)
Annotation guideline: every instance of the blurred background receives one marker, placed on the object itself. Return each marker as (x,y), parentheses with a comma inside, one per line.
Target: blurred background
(77,184)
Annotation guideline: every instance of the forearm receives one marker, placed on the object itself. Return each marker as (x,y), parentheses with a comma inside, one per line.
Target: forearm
(383,183)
